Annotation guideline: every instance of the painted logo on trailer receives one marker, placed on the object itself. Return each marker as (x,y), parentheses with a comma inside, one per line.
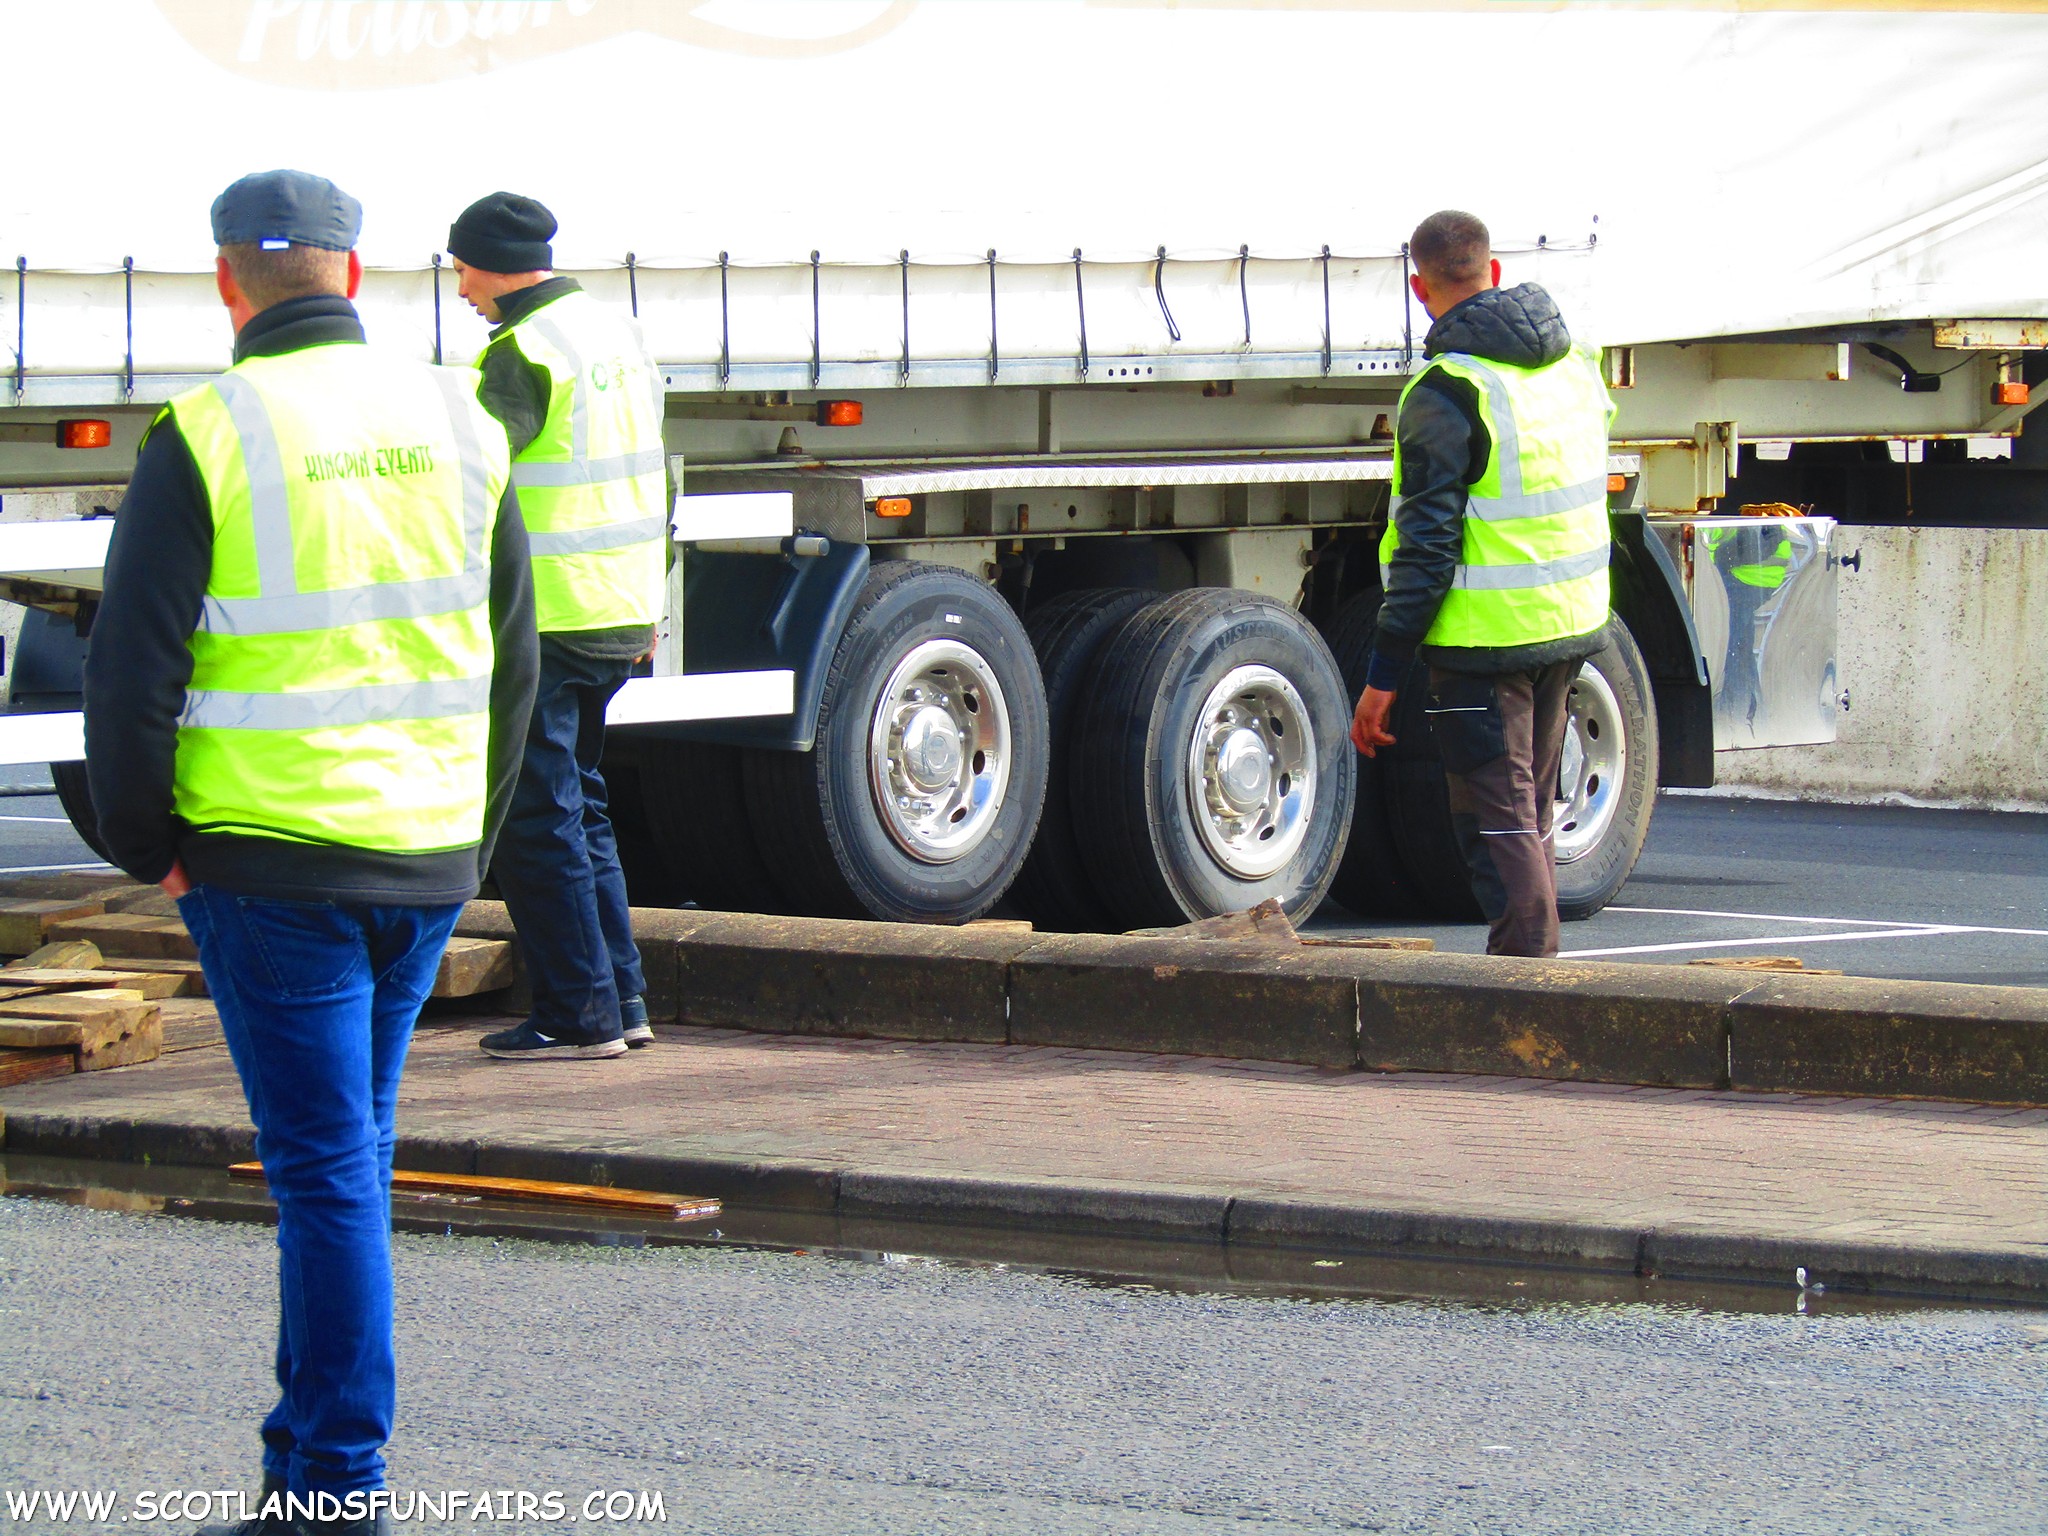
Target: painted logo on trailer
(381,44)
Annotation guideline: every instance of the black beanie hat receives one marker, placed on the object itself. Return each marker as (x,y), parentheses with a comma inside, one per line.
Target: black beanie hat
(504,233)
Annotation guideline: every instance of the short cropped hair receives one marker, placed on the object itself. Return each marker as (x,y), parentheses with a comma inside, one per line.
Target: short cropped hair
(296,272)
(1451,247)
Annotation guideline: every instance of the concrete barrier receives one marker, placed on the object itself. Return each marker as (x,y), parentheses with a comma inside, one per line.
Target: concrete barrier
(1337,1007)
(1939,634)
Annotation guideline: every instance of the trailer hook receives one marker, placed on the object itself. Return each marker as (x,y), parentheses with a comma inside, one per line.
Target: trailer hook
(903,370)
(817,354)
(995,358)
(128,305)
(437,309)
(1326,311)
(1244,293)
(633,283)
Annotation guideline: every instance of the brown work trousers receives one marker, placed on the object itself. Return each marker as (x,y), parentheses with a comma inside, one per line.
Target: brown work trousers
(1502,737)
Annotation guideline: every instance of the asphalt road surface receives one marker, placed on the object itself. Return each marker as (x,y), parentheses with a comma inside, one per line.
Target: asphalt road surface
(1870,890)
(775,1393)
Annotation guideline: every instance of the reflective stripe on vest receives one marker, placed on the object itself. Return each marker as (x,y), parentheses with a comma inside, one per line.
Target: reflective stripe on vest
(342,663)
(1533,566)
(591,484)
(282,608)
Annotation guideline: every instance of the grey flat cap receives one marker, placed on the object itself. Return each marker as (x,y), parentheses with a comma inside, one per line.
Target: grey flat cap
(278,208)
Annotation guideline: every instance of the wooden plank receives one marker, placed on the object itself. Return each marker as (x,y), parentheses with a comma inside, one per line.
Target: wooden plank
(121,935)
(1419,946)
(101,885)
(149,984)
(1762,963)
(190,1024)
(644,1202)
(149,901)
(143,1041)
(24,921)
(89,1019)
(34,1066)
(65,954)
(471,966)
(192,980)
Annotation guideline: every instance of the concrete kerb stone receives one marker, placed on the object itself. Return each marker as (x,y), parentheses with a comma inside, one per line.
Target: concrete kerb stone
(1660,1025)
(1418,1233)
(659,932)
(1071,1205)
(1887,1039)
(826,976)
(1839,1266)
(1196,997)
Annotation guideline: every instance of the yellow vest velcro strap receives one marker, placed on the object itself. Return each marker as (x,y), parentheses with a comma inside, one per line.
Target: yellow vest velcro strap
(624,466)
(323,708)
(282,608)
(297,611)
(584,541)
(1566,498)
(1541,573)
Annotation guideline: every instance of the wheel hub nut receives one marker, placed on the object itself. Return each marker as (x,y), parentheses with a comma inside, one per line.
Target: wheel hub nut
(931,748)
(1243,773)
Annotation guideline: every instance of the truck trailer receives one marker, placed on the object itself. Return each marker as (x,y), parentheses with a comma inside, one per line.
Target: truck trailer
(1031,371)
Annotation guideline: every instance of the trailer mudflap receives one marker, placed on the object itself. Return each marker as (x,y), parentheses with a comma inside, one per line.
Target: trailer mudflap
(762,612)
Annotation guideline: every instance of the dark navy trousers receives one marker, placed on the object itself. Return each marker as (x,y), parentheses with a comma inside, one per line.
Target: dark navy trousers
(557,862)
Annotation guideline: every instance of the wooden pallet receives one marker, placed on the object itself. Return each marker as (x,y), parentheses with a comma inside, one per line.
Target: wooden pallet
(25,921)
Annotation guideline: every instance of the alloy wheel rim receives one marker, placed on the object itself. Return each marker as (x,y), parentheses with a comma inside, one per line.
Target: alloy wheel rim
(939,751)
(1251,772)
(1593,767)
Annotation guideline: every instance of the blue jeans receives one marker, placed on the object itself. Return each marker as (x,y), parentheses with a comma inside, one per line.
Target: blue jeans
(317,1002)
(557,862)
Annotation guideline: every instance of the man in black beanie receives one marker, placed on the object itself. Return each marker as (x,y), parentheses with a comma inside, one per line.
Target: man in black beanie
(582,406)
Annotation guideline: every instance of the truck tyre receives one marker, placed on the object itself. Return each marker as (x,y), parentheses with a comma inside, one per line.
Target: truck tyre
(1370,879)
(650,877)
(1211,769)
(919,800)
(1607,790)
(75,795)
(694,794)
(1054,888)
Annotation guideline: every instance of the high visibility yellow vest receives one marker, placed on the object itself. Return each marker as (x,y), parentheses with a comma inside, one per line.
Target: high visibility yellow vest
(1769,572)
(592,485)
(341,669)
(1534,564)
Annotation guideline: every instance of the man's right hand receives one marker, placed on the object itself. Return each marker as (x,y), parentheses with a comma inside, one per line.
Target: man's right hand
(1369,721)
(177,882)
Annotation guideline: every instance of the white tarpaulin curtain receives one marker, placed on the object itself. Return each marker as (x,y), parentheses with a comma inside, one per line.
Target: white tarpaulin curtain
(1747,166)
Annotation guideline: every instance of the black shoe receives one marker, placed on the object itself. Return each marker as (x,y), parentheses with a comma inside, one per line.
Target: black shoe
(633,1018)
(258,1524)
(525,1043)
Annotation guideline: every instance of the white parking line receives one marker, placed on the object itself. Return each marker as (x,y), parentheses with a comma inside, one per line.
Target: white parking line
(1902,932)
(55,821)
(40,869)
(1844,922)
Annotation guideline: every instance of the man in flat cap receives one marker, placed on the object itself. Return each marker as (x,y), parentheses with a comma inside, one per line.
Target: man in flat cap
(303,708)
(582,405)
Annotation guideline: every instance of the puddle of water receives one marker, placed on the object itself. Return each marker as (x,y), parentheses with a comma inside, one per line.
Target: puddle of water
(1117,1262)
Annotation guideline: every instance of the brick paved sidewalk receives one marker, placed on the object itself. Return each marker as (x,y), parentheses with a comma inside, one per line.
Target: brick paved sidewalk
(1855,1174)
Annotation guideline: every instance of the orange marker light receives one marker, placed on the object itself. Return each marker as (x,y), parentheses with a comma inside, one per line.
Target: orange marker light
(85,434)
(839,413)
(893,506)
(2009,394)
(1616,484)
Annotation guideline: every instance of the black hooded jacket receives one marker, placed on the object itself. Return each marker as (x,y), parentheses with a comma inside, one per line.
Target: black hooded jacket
(1444,449)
